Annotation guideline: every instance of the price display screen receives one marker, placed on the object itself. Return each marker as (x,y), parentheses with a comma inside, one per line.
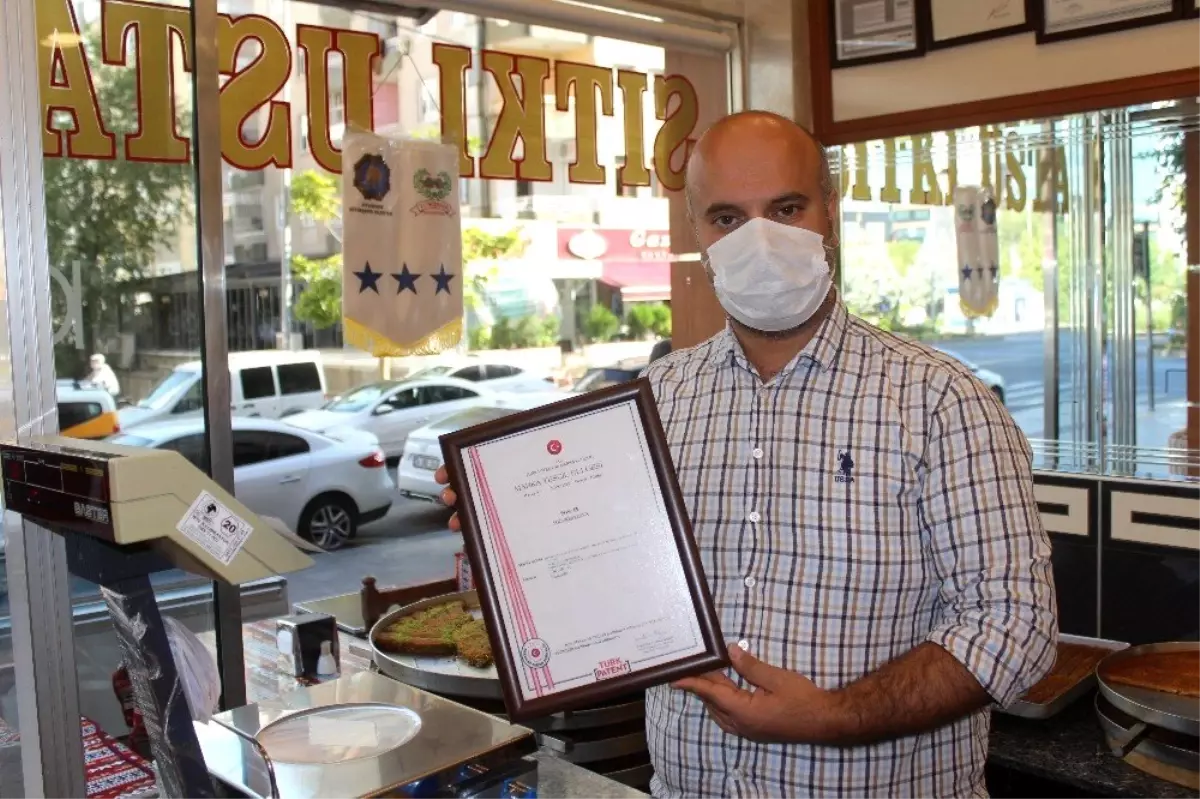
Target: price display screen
(58,489)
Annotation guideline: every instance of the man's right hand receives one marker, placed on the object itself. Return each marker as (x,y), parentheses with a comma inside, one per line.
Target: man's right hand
(448,496)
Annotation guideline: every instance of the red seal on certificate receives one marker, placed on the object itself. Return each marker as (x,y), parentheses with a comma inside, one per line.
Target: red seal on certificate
(554,447)
(535,653)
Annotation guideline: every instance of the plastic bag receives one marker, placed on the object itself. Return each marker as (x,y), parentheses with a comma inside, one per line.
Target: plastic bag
(198,673)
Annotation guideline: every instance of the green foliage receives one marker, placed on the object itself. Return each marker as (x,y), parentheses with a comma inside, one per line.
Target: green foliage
(600,324)
(480,338)
(320,301)
(315,197)
(524,332)
(112,216)
(648,319)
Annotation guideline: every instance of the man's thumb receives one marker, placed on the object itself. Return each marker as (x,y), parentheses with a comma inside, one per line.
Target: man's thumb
(752,669)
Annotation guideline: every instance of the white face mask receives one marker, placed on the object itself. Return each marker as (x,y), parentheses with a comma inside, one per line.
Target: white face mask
(770,277)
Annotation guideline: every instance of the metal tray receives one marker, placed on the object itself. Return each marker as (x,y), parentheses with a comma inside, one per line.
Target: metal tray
(1160,745)
(1179,713)
(1031,710)
(439,675)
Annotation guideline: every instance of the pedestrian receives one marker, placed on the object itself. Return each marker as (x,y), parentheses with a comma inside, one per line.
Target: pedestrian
(863,507)
(102,375)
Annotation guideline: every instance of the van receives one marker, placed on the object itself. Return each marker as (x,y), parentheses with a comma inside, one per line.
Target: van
(267,383)
(86,410)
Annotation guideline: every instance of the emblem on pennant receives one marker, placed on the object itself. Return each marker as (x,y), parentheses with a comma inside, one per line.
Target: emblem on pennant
(435,189)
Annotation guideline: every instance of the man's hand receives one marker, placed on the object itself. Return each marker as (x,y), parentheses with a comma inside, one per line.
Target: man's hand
(448,496)
(783,707)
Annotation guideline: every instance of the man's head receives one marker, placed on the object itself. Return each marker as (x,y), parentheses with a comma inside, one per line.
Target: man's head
(96,361)
(759,164)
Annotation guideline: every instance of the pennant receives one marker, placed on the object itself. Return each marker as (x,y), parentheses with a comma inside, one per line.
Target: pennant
(978,251)
(402,281)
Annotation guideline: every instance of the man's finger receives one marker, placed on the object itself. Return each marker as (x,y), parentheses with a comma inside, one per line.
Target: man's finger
(441,476)
(454,524)
(754,670)
(449,498)
(726,697)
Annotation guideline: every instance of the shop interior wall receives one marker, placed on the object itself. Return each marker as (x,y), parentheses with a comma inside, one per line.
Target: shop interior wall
(998,80)
(1192,221)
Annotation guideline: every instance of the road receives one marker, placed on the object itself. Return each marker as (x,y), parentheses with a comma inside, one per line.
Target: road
(1020,358)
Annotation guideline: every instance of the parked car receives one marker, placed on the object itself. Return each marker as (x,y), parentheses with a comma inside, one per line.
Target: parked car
(391,409)
(499,376)
(423,454)
(322,486)
(268,383)
(989,378)
(86,410)
(604,376)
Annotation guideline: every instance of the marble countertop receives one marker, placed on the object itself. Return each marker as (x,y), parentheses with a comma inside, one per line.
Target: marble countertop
(1070,748)
(558,778)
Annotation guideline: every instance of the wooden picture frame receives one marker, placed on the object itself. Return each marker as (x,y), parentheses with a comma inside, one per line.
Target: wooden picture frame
(1189,9)
(1169,13)
(929,10)
(510,617)
(843,7)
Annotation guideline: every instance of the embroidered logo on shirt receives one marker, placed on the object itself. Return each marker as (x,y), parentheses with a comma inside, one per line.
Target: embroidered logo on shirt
(845,472)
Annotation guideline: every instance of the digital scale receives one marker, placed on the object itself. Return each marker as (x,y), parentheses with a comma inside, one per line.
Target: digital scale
(126,513)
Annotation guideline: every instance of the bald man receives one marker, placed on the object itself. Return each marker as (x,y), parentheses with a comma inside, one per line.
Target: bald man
(863,506)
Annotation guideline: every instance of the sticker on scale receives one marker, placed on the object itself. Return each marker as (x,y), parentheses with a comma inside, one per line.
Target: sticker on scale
(216,528)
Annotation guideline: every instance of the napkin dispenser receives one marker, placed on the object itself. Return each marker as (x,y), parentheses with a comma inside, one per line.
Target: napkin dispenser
(299,639)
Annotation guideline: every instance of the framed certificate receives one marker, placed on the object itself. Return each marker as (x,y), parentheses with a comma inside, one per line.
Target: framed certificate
(870,31)
(1072,19)
(949,23)
(582,551)
(1190,8)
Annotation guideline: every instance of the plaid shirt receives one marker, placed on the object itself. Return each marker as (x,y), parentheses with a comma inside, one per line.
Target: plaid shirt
(870,497)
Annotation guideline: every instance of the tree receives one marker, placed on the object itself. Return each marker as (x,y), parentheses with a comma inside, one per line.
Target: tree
(111,217)
(601,324)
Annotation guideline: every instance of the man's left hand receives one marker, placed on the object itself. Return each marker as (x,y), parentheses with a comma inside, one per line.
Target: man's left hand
(782,707)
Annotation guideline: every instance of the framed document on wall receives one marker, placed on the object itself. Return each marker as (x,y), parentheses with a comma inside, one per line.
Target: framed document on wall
(1190,8)
(949,23)
(582,551)
(1072,19)
(870,31)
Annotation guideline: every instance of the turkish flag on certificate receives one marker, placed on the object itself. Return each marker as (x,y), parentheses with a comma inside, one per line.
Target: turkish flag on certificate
(402,289)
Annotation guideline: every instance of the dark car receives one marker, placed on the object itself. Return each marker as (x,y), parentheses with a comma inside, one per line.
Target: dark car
(605,376)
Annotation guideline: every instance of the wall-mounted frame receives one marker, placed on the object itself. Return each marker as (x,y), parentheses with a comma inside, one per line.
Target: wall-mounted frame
(871,31)
(1189,9)
(951,23)
(1059,20)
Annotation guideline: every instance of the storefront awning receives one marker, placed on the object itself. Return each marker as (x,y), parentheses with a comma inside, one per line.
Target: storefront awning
(646,281)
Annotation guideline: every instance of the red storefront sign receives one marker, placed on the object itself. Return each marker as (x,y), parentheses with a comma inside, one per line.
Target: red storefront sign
(614,245)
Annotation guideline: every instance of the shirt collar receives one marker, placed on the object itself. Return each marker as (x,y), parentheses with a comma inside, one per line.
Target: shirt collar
(823,350)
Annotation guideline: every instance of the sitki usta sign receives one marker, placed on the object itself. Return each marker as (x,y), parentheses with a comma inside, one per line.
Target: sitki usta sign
(155,40)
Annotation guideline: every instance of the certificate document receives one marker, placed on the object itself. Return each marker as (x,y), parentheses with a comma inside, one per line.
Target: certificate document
(1061,16)
(586,578)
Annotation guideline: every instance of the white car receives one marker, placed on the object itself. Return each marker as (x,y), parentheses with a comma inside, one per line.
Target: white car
(986,376)
(394,408)
(322,486)
(498,376)
(423,453)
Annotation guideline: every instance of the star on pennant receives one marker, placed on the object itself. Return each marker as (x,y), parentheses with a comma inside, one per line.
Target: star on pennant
(406,280)
(443,280)
(368,279)
(995,270)
(966,273)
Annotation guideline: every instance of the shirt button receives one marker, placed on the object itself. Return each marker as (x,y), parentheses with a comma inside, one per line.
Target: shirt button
(754,517)
(750,582)
(758,453)
(735,773)
(744,645)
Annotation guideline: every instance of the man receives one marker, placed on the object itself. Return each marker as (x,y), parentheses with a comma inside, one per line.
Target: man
(863,506)
(102,375)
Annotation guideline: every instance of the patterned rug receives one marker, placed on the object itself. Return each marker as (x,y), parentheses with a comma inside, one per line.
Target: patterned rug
(114,771)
